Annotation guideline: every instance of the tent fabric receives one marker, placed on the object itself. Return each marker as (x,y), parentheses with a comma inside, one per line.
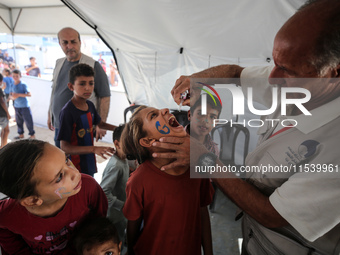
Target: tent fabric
(38,17)
(147,37)
(156,41)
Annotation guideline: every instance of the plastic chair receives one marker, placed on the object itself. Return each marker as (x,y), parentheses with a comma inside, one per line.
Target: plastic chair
(231,144)
(130,109)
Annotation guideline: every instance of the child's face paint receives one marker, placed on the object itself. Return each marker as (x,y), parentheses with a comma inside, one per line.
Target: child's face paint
(56,175)
(156,123)
(61,192)
(163,130)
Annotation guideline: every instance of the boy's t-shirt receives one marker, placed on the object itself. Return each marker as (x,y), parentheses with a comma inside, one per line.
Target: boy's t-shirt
(24,233)
(9,84)
(21,102)
(34,72)
(170,207)
(76,127)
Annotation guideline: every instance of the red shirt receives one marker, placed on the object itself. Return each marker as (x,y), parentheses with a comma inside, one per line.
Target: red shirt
(24,233)
(170,206)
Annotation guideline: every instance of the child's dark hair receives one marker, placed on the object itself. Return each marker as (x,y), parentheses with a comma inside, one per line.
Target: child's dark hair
(117,133)
(132,132)
(80,70)
(94,231)
(1,77)
(7,71)
(17,71)
(17,163)
(210,102)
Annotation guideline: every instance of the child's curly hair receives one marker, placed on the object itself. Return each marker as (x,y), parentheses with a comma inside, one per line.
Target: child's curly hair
(80,70)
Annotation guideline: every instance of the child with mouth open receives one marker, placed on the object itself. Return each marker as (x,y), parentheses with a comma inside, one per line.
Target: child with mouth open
(171,206)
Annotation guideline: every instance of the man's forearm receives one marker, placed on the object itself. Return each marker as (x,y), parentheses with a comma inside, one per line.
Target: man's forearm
(104,106)
(221,71)
(248,198)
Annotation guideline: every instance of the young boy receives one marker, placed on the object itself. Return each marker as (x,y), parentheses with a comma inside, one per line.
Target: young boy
(201,125)
(23,113)
(33,69)
(115,176)
(97,236)
(4,116)
(9,83)
(77,120)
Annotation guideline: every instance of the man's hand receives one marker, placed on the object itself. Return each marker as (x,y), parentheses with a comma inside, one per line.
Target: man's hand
(180,147)
(100,133)
(49,123)
(183,84)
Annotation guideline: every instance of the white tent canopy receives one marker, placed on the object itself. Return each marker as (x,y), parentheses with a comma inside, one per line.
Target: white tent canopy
(156,41)
(38,17)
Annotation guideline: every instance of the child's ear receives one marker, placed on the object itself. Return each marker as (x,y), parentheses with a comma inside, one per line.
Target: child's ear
(31,201)
(189,114)
(146,142)
(117,144)
(120,247)
(70,86)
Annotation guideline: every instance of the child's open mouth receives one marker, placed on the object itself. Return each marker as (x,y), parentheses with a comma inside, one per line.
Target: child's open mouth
(173,122)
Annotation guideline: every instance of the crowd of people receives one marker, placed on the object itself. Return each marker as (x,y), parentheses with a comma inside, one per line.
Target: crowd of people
(6,61)
(54,206)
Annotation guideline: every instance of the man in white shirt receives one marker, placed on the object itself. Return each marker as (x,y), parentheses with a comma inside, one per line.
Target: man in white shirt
(299,212)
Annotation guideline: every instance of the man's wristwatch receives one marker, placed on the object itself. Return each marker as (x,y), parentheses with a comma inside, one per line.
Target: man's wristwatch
(207,159)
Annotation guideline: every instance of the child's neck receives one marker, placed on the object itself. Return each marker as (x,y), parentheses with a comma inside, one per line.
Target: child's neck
(200,138)
(17,82)
(120,156)
(47,210)
(158,162)
(80,103)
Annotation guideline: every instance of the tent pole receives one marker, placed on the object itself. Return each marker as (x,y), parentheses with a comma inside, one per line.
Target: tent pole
(12,30)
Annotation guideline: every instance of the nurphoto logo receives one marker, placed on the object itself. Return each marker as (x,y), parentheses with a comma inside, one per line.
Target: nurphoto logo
(238,103)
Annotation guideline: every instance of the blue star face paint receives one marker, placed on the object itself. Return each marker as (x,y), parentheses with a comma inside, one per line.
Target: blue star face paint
(60,194)
(163,130)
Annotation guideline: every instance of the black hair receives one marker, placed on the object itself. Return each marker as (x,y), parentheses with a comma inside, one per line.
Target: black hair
(210,102)
(94,231)
(32,58)
(117,133)
(80,70)
(17,71)
(1,77)
(7,71)
(17,163)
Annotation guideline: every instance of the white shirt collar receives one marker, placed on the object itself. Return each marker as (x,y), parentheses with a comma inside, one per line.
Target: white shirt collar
(320,116)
